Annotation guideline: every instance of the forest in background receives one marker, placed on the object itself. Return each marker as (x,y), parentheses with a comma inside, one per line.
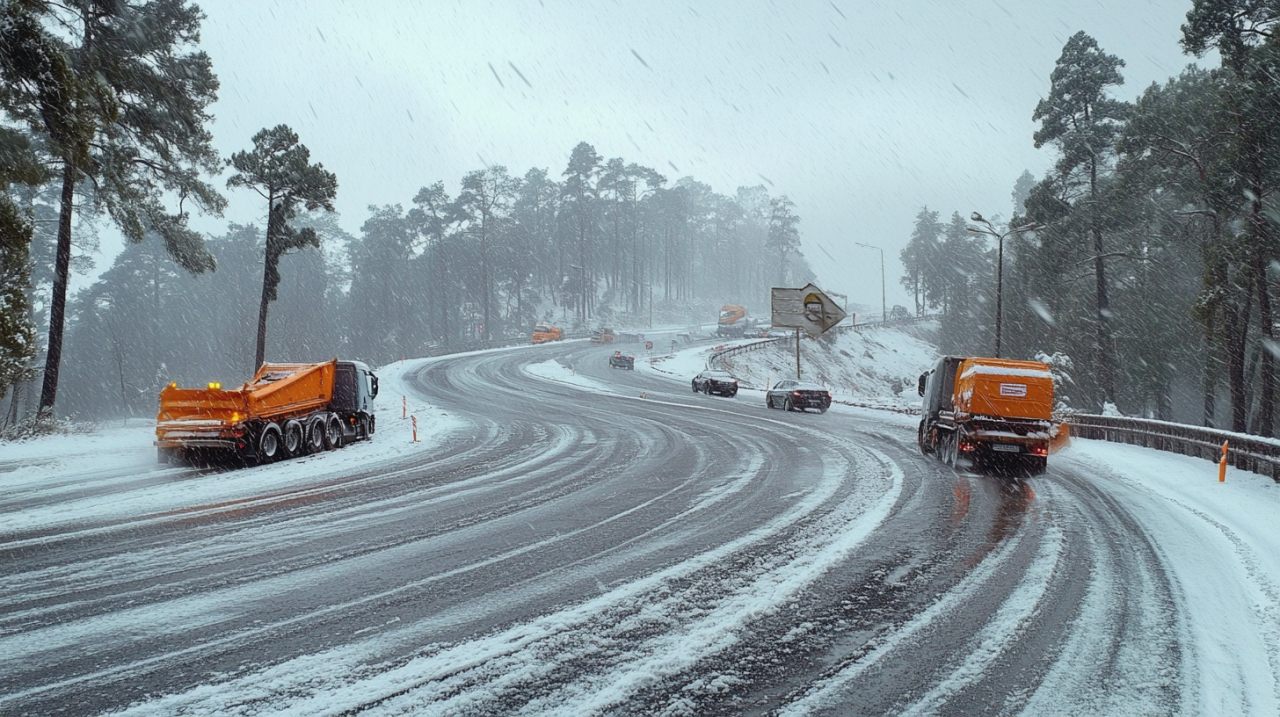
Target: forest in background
(417,279)
(104,121)
(1146,258)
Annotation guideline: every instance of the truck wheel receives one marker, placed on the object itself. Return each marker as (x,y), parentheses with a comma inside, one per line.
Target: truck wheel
(362,428)
(373,425)
(269,443)
(315,434)
(332,432)
(293,439)
(920,439)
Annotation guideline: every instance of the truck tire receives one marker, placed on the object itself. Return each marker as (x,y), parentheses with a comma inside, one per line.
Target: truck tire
(332,432)
(373,426)
(315,434)
(269,444)
(293,438)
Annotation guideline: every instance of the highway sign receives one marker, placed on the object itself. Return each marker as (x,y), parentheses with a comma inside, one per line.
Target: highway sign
(807,308)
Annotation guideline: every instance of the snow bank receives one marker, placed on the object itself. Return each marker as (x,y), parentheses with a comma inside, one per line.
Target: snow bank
(555,371)
(874,369)
(112,474)
(1219,542)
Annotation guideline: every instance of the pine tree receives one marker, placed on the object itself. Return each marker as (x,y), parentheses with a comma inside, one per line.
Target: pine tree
(578,200)
(920,259)
(1243,32)
(482,206)
(278,170)
(784,237)
(1083,121)
(142,93)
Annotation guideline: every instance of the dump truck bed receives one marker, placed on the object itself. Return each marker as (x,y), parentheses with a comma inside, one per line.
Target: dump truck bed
(1004,388)
(277,391)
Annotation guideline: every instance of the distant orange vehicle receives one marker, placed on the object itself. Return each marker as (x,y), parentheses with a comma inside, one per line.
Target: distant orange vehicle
(603,336)
(286,409)
(545,332)
(987,411)
(732,321)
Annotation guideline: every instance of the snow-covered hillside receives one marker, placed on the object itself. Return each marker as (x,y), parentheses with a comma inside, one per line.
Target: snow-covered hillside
(874,368)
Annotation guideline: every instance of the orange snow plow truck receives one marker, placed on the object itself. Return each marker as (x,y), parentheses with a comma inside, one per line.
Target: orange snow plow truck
(986,412)
(285,410)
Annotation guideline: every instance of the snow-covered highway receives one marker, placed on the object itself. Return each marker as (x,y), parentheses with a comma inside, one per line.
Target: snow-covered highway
(560,544)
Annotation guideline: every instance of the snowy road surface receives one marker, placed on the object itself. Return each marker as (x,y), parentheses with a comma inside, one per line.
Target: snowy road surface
(559,545)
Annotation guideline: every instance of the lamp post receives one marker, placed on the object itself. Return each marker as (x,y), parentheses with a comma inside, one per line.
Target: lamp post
(991,231)
(884,310)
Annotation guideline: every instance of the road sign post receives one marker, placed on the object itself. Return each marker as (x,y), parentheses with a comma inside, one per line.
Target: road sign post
(806,308)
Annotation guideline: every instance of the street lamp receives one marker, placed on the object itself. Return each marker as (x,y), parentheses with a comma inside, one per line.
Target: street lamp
(991,231)
(884,311)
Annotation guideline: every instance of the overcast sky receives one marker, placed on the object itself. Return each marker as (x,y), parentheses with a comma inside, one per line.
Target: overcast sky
(861,112)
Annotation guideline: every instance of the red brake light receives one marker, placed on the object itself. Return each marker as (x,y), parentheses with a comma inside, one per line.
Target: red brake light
(1039,450)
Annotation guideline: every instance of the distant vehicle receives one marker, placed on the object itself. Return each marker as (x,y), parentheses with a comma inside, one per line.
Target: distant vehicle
(286,409)
(603,336)
(618,360)
(545,332)
(899,313)
(798,395)
(733,321)
(987,412)
(715,382)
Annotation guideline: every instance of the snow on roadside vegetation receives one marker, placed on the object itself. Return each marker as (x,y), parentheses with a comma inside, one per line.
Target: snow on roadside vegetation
(875,368)
(112,473)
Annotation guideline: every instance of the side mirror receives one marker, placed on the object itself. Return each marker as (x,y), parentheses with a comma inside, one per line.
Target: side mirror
(920,385)
(374,379)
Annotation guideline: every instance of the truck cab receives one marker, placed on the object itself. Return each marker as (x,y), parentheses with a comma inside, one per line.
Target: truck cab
(354,388)
(936,388)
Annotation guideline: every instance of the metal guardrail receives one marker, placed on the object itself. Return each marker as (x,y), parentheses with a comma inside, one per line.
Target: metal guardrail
(494,344)
(716,357)
(889,323)
(1248,453)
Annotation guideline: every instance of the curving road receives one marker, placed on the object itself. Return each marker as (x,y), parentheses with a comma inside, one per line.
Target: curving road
(579,550)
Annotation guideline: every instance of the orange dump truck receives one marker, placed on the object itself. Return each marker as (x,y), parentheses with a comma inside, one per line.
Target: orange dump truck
(545,332)
(286,409)
(987,412)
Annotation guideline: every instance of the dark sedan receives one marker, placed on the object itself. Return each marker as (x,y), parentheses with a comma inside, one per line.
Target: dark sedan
(798,395)
(618,360)
(718,382)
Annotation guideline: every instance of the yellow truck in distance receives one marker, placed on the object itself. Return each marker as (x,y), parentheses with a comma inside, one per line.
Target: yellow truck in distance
(987,412)
(545,332)
(285,410)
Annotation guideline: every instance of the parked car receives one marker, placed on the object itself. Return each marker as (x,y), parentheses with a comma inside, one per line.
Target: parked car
(617,360)
(798,395)
(720,382)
